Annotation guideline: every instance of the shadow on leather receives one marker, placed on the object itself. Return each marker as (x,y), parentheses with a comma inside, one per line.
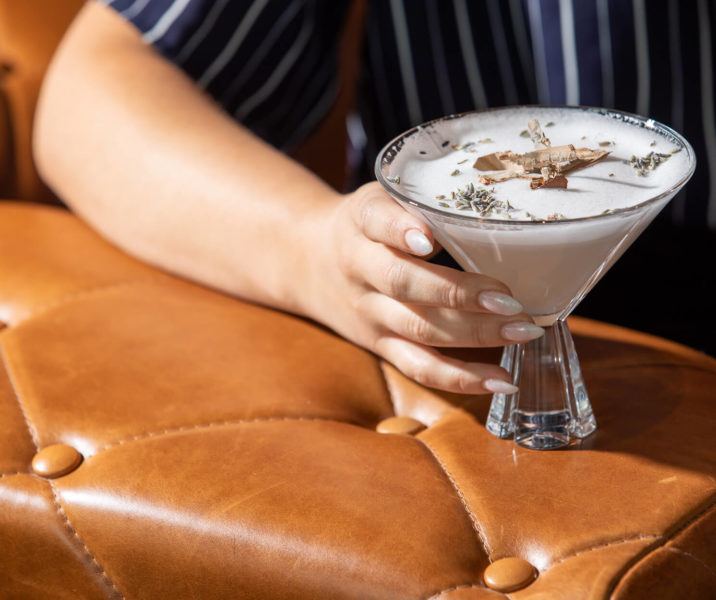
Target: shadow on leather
(647,402)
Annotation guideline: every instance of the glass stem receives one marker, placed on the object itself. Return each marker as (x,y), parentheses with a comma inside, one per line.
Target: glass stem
(552,406)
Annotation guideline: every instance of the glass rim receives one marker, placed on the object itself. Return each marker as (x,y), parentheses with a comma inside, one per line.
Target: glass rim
(644,121)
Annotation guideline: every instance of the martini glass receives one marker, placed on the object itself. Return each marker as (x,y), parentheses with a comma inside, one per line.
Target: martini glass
(549,265)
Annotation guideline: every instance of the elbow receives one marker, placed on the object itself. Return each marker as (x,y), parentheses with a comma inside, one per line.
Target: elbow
(65,119)
(43,141)
(53,122)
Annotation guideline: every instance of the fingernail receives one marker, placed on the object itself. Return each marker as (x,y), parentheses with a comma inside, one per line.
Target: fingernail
(498,386)
(521,332)
(418,243)
(500,304)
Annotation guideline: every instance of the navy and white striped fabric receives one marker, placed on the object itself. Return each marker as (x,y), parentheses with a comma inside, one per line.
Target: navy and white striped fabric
(272,64)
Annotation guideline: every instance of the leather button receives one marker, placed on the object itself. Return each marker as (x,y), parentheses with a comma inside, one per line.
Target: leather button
(56,460)
(400,425)
(509,574)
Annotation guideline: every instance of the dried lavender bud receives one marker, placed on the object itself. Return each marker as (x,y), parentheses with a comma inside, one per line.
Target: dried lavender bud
(647,163)
(481,201)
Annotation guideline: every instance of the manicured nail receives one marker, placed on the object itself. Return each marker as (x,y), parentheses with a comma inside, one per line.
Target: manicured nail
(418,242)
(499,387)
(500,304)
(521,332)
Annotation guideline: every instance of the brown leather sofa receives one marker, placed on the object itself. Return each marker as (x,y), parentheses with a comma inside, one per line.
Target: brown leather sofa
(159,440)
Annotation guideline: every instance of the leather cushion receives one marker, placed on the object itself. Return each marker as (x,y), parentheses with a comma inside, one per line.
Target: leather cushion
(230,451)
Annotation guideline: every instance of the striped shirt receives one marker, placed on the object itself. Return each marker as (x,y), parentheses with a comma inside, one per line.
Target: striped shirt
(272,64)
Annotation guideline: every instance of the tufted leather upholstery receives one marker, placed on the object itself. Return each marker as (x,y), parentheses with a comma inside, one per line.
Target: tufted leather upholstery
(230,451)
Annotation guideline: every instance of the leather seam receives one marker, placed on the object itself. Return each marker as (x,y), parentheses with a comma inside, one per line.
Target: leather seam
(649,551)
(182,428)
(691,556)
(465,586)
(617,542)
(5,360)
(473,519)
(71,529)
(388,386)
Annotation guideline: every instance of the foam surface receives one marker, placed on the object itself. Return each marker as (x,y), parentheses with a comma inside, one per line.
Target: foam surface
(425,163)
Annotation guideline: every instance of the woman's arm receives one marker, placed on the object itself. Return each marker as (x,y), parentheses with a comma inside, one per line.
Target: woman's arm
(132,145)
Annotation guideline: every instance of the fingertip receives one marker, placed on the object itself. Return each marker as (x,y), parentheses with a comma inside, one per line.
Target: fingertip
(499,386)
(499,303)
(418,242)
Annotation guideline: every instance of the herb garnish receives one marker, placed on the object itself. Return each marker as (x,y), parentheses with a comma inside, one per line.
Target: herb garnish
(480,200)
(642,165)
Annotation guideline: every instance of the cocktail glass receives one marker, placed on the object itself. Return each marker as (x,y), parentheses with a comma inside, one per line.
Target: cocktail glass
(550,266)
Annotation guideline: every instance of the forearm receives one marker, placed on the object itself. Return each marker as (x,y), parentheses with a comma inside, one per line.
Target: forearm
(134,147)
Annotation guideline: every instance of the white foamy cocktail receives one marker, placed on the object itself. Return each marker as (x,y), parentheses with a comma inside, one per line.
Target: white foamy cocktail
(549,245)
(545,200)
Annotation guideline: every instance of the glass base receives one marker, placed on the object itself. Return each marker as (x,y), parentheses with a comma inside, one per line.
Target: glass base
(552,407)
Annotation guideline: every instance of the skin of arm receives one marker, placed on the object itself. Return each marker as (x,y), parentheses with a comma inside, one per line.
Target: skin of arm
(137,150)
(150,161)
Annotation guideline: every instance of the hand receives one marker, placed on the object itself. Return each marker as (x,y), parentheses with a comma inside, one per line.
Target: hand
(373,286)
